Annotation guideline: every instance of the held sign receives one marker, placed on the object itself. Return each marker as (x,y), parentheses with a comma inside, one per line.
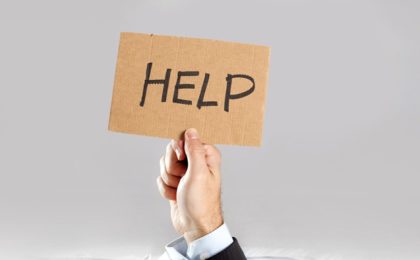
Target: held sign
(165,84)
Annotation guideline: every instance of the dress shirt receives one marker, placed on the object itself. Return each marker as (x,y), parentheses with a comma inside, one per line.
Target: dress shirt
(202,248)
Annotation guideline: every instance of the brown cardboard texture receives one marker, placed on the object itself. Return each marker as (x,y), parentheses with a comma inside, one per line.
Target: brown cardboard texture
(165,84)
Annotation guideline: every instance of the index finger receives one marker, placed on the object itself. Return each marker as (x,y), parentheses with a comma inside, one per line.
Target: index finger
(174,159)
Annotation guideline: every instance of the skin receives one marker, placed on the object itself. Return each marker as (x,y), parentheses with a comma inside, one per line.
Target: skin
(190,180)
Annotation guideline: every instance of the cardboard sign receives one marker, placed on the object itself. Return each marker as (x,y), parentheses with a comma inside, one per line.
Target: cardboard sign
(165,84)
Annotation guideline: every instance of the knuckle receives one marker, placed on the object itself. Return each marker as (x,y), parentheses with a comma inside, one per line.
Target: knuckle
(217,153)
(195,148)
(173,144)
(162,165)
(170,180)
(162,161)
(168,148)
(214,153)
(164,176)
(164,190)
(166,179)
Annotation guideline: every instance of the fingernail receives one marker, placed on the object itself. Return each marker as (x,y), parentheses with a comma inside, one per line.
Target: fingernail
(178,152)
(192,133)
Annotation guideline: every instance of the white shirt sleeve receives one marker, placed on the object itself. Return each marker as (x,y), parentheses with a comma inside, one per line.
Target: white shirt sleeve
(202,248)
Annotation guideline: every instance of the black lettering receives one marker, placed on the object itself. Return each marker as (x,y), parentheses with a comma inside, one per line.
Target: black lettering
(179,86)
(230,96)
(201,102)
(148,81)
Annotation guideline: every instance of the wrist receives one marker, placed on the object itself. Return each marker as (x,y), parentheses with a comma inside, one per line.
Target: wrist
(200,230)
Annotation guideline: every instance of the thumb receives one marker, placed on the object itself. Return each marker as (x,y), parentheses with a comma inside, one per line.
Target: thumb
(196,154)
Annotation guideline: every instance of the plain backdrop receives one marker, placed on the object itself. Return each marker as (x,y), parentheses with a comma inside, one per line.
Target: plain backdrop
(338,172)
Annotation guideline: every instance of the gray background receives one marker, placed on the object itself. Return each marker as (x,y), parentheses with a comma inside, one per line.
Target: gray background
(338,173)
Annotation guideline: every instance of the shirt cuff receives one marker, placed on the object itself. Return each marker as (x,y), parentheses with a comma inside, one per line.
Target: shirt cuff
(202,248)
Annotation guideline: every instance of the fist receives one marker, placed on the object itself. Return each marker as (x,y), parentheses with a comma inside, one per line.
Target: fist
(190,180)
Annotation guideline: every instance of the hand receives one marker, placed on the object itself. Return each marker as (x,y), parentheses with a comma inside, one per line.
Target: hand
(190,180)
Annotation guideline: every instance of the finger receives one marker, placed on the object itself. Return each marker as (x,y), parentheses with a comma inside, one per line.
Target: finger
(172,164)
(195,152)
(178,146)
(213,158)
(175,150)
(169,179)
(166,191)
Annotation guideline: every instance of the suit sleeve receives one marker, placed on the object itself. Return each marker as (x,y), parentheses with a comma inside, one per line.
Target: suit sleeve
(232,252)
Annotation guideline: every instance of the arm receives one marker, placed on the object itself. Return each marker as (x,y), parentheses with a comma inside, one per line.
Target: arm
(190,179)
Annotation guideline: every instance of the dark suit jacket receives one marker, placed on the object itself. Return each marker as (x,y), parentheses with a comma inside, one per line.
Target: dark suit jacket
(232,252)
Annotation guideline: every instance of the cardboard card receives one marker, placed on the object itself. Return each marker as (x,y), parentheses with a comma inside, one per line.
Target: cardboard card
(166,84)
